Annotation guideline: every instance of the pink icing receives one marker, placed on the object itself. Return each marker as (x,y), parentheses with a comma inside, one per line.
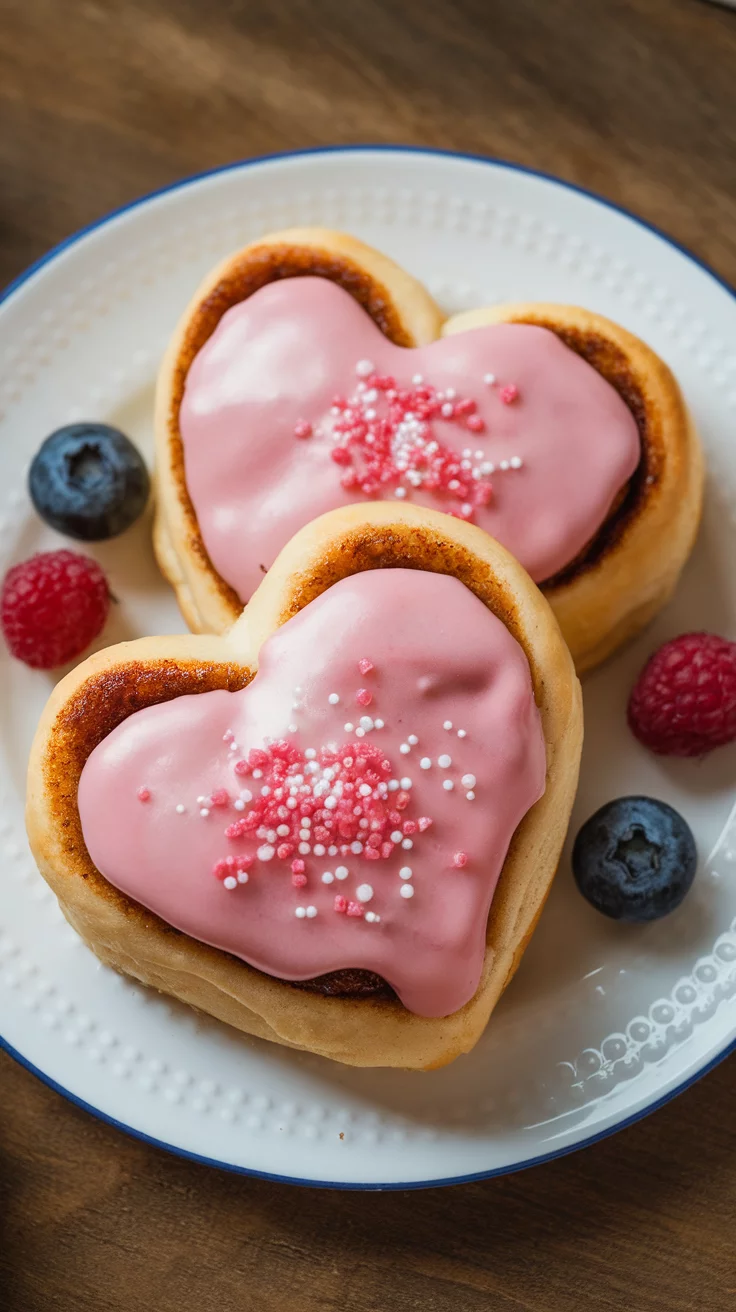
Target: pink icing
(257,427)
(404,625)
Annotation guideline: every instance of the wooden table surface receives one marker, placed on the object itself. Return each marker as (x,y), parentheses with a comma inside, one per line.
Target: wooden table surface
(103,101)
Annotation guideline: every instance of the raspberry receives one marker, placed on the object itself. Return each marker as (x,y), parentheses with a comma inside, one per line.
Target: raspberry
(52,606)
(684,701)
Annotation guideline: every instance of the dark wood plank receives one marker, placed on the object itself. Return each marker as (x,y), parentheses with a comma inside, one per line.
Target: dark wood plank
(92,1219)
(102,101)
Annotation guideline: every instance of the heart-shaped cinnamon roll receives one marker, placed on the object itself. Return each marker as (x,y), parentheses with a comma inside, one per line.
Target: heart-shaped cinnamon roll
(310,373)
(334,826)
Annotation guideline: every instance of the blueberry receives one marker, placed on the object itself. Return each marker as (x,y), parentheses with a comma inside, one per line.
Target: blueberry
(634,859)
(88,481)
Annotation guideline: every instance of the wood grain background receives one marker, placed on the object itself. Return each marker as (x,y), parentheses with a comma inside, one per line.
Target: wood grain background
(102,101)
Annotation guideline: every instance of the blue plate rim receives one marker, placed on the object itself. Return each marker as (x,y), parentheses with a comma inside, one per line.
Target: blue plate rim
(180,185)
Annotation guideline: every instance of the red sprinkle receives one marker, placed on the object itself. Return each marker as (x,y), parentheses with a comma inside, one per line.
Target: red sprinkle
(355,909)
(389,442)
(303,429)
(220,797)
(363,697)
(341,903)
(365,666)
(459,860)
(509,394)
(144,795)
(353,778)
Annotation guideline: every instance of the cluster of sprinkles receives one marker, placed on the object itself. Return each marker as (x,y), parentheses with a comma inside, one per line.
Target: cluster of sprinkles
(384,438)
(302,806)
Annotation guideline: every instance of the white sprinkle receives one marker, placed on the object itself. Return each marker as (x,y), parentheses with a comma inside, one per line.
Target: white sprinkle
(242,876)
(311,913)
(348,727)
(372,918)
(378,724)
(412,739)
(230,881)
(265,791)
(406,872)
(359,733)
(291,802)
(305,835)
(204,811)
(332,851)
(180,809)
(400,492)
(396,836)
(369,414)
(425,763)
(407,890)
(489,379)
(341,872)
(448,785)
(234,747)
(479,455)
(333,699)
(503,465)
(468,781)
(461,733)
(265,853)
(444,761)
(282,831)
(405,749)
(330,803)
(300,913)
(516,462)
(356,847)
(364,892)
(319,849)
(366,722)
(417,378)
(201,801)
(406,782)
(257,774)
(365,790)
(295,706)
(246,794)
(451,392)
(304,849)
(407,844)
(328,877)
(470,796)
(453,485)
(291,728)
(310,754)
(393,785)
(447,724)
(447,410)
(364,367)
(239,804)
(466,508)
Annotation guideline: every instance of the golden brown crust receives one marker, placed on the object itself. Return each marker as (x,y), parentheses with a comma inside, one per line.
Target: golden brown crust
(602,597)
(372,1029)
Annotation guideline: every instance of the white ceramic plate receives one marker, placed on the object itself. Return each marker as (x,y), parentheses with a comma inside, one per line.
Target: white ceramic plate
(603,1021)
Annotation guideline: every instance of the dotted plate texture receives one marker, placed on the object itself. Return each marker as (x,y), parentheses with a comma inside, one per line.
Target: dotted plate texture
(603,1020)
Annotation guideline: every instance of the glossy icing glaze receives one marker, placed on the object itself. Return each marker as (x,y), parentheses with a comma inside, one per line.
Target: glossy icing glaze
(273,367)
(386,644)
